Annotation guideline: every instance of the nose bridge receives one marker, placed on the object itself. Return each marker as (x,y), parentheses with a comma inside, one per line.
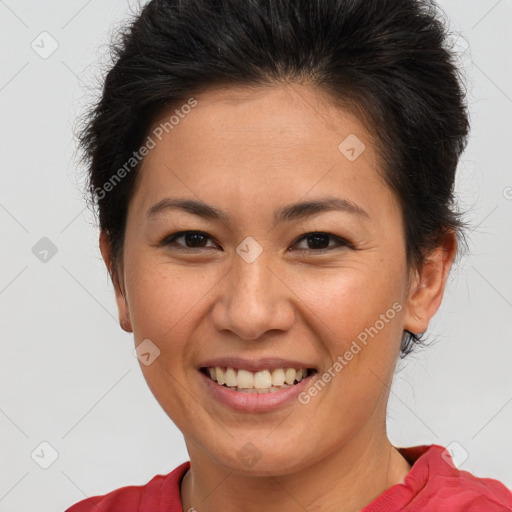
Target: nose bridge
(253,299)
(253,281)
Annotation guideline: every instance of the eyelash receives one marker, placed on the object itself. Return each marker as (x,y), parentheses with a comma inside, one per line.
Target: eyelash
(168,240)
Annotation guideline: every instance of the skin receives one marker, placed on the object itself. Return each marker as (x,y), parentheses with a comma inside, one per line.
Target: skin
(250,152)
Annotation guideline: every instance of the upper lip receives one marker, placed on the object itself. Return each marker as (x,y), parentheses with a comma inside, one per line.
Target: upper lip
(254,365)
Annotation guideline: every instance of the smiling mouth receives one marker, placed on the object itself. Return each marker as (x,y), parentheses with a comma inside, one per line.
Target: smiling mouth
(263,381)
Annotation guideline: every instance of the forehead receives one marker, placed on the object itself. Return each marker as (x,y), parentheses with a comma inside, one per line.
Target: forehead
(241,144)
(281,116)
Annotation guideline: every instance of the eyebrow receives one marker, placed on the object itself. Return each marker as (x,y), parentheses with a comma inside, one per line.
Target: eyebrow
(288,213)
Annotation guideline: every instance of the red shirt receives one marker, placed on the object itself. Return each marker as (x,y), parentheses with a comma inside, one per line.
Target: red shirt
(433,484)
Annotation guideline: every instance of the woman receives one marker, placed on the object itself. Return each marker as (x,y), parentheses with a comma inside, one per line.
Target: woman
(274,181)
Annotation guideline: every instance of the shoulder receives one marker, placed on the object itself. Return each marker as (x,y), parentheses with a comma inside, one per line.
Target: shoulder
(443,485)
(160,494)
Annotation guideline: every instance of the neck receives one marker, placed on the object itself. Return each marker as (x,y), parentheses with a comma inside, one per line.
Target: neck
(345,480)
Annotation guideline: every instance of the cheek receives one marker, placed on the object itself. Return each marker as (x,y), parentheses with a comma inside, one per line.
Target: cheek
(357,314)
(164,300)
(162,295)
(349,299)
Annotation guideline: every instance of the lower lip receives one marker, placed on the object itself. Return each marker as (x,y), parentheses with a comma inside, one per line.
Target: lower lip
(254,402)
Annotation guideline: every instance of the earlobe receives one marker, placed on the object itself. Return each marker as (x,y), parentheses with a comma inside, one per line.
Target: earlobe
(428,285)
(122,305)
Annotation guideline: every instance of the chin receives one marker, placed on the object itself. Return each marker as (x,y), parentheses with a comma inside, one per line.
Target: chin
(262,461)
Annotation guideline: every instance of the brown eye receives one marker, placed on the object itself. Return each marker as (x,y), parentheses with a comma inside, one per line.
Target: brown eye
(319,242)
(188,240)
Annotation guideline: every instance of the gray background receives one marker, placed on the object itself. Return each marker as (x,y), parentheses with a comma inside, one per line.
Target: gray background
(68,373)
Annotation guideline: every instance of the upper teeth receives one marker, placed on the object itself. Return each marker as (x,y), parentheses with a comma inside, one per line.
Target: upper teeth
(263,379)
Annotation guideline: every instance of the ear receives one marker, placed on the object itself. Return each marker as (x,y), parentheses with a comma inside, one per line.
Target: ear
(428,283)
(122,305)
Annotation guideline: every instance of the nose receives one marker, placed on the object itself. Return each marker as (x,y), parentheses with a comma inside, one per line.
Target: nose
(252,300)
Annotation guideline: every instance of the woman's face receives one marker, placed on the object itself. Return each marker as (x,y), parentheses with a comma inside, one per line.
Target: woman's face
(251,292)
